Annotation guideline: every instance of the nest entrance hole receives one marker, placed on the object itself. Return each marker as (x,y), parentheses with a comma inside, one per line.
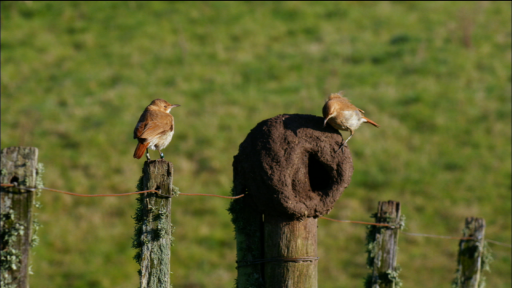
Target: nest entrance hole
(320,179)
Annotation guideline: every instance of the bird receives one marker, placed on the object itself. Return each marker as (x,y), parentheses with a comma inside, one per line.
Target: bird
(343,115)
(155,128)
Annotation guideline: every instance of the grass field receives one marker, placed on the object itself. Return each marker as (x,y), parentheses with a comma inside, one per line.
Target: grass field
(436,76)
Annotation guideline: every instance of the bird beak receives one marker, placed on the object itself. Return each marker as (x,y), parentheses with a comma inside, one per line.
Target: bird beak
(325,121)
(175,105)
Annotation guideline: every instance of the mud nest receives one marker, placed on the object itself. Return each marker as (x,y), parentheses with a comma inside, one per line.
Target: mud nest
(289,166)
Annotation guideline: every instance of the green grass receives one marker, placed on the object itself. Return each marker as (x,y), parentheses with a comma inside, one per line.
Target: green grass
(435,76)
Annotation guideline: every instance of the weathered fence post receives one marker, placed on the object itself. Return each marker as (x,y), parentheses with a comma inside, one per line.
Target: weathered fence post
(382,242)
(248,223)
(291,174)
(153,225)
(471,260)
(19,167)
(295,244)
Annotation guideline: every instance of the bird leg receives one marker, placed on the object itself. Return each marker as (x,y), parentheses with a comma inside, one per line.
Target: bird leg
(161,154)
(147,154)
(344,143)
(351,134)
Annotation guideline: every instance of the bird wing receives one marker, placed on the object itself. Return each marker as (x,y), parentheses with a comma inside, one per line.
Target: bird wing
(152,129)
(153,123)
(343,104)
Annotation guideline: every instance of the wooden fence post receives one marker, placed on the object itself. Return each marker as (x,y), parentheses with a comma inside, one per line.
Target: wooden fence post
(19,167)
(153,225)
(294,243)
(382,244)
(248,222)
(471,254)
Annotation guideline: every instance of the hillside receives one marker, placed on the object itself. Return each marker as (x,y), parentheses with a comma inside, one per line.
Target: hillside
(436,77)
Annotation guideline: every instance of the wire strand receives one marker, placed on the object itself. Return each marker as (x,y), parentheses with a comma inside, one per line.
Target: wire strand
(356,222)
(259,261)
(212,195)
(239,196)
(438,236)
(101,195)
(122,194)
(417,234)
(499,243)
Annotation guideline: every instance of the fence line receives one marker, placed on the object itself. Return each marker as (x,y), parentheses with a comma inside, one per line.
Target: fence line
(499,243)
(356,222)
(114,195)
(439,236)
(236,197)
(417,234)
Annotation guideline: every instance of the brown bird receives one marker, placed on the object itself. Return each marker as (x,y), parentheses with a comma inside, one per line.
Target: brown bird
(154,129)
(342,115)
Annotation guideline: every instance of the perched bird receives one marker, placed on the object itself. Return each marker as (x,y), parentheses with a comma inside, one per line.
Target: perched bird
(342,115)
(154,129)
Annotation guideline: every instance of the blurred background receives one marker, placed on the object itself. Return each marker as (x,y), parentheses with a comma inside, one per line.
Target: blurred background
(75,77)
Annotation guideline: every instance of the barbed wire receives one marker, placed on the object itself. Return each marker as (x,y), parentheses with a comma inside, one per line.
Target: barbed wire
(236,197)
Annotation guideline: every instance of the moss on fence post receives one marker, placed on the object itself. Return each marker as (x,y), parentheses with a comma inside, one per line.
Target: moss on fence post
(19,168)
(381,246)
(474,255)
(153,228)
(248,224)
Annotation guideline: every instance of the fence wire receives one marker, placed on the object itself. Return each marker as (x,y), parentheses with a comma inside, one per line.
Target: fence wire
(236,197)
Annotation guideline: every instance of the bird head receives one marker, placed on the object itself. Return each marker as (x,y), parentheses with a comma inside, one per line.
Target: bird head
(327,118)
(336,95)
(328,111)
(162,105)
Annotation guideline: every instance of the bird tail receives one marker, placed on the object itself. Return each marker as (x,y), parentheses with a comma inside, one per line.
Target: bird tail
(140,149)
(371,122)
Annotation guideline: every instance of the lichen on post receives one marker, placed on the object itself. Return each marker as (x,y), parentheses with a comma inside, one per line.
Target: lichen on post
(289,168)
(474,255)
(20,168)
(382,246)
(153,226)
